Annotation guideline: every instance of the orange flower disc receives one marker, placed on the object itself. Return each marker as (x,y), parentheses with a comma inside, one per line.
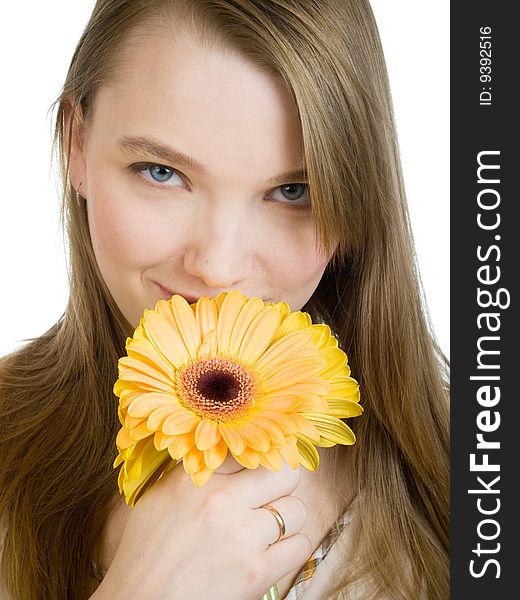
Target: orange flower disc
(216,388)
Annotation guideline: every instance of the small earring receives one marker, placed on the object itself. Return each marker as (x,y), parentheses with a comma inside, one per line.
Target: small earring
(78,193)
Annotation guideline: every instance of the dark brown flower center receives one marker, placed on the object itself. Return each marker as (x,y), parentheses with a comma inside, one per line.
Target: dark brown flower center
(219,386)
(216,388)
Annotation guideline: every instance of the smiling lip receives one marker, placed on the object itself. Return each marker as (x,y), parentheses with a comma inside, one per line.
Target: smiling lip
(192,299)
(168,294)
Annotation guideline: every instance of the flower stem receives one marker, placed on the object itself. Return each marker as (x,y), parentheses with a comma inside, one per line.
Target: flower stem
(272,594)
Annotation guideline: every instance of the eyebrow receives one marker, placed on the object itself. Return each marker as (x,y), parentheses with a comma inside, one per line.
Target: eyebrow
(171,156)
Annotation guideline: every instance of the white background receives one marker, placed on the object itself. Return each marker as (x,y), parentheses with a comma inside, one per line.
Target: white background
(36,45)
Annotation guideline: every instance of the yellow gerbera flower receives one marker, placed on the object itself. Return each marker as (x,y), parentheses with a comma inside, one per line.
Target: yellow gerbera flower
(229,374)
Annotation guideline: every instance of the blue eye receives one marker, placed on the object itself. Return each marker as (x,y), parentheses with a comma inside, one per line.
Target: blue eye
(294,191)
(294,194)
(160,173)
(155,173)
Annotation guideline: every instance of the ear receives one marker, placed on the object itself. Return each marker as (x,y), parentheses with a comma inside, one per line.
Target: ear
(74,132)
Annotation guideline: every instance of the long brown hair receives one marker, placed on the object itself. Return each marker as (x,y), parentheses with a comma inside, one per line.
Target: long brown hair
(58,416)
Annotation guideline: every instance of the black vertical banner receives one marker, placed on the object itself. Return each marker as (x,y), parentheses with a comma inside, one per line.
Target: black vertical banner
(485,268)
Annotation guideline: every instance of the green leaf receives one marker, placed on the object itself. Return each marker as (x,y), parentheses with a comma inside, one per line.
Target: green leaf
(272,594)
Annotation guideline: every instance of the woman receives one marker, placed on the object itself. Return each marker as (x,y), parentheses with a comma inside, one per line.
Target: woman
(207,147)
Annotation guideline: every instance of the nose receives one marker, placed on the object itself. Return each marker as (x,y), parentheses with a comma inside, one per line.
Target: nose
(219,252)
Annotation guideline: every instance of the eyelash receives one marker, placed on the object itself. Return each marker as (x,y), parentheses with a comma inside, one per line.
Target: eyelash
(138,168)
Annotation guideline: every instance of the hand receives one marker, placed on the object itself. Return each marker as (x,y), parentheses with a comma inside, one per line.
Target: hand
(210,542)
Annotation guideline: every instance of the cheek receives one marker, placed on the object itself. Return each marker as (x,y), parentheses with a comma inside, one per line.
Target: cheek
(126,232)
(115,234)
(296,266)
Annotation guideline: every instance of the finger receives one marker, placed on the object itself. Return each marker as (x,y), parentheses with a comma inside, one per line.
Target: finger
(259,486)
(292,512)
(288,555)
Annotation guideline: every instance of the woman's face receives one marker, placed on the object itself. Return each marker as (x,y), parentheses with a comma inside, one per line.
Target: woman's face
(190,169)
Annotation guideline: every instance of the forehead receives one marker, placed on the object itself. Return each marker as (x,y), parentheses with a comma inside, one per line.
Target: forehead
(211,102)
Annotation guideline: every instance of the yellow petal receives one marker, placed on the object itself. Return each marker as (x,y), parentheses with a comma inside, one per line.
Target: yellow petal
(219,300)
(257,438)
(144,404)
(216,455)
(164,308)
(126,390)
(271,460)
(298,395)
(139,333)
(186,324)
(166,340)
(135,467)
(146,467)
(291,455)
(313,403)
(180,422)
(193,461)
(208,346)
(127,453)
(292,372)
(345,388)
(324,443)
(121,481)
(248,459)
(157,417)
(306,427)
(259,335)
(202,476)
(235,441)
(207,434)
(131,422)
(181,445)
(282,307)
(140,432)
(309,456)
(162,441)
(294,321)
(282,349)
(309,385)
(321,336)
(133,490)
(242,323)
(143,383)
(343,408)
(277,402)
(336,361)
(119,460)
(144,349)
(132,364)
(206,315)
(331,428)
(274,432)
(229,311)
(285,421)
